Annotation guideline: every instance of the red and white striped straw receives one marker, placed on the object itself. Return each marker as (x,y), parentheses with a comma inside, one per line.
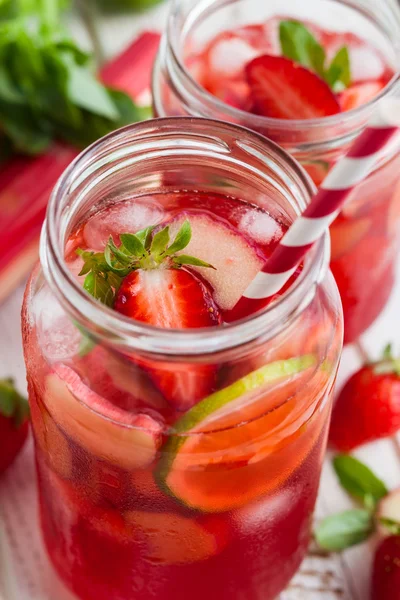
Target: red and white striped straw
(309,227)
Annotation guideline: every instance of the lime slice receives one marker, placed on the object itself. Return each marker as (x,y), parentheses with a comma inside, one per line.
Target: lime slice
(212,463)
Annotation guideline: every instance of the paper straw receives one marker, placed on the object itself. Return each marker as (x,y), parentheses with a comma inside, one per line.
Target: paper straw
(309,227)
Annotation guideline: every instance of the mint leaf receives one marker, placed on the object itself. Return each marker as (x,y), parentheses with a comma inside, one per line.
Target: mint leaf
(182,238)
(47,88)
(299,44)
(338,76)
(345,529)
(85,91)
(357,479)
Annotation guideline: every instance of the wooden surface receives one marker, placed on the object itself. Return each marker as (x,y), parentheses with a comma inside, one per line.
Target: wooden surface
(322,577)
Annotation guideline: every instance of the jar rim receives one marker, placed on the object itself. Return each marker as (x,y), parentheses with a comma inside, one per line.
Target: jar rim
(357,115)
(126,334)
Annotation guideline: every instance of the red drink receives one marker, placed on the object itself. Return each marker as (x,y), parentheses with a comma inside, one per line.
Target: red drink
(283,69)
(178,462)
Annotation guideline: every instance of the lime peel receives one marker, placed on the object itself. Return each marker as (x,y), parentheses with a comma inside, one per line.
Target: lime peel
(255,380)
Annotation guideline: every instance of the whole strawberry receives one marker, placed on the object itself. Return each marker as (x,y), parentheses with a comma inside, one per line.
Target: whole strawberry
(386,570)
(14,423)
(378,512)
(368,407)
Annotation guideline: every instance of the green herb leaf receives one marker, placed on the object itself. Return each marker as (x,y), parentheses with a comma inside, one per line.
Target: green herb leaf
(184,259)
(345,529)
(7,397)
(393,527)
(99,287)
(132,243)
(144,235)
(357,479)
(298,44)
(85,91)
(12,404)
(338,75)
(160,242)
(104,272)
(112,264)
(182,238)
(121,254)
(47,88)
(387,353)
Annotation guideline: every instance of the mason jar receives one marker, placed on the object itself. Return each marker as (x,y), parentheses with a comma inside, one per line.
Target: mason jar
(365,235)
(140,497)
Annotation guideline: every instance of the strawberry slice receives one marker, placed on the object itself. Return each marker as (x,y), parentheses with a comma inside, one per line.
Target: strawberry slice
(283,89)
(172,299)
(146,278)
(167,298)
(359,94)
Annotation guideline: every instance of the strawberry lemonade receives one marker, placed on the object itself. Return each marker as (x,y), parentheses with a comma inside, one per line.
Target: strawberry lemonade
(179,435)
(307,77)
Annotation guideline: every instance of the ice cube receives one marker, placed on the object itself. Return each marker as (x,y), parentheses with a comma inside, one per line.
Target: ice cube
(268,509)
(260,226)
(126,216)
(229,56)
(365,63)
(58,337)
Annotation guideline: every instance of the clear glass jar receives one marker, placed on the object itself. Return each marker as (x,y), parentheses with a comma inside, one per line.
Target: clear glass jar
(131,503)
(366,234)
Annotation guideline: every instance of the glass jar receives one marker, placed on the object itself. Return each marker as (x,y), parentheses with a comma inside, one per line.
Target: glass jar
(218,501)
(365,235)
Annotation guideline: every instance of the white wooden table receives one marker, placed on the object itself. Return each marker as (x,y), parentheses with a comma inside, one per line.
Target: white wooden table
(322,577)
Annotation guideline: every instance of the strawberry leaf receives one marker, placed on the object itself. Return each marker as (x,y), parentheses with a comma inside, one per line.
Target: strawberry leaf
(357,479)
(387,353)
(182,239)
(389,364)
(144,235)
(159,243)
(184,259)
(393,527)
(132,243)
(104,271)
(114,255)
(299,44)
(7,397)
(345,529)
(12,404)
(96,285)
